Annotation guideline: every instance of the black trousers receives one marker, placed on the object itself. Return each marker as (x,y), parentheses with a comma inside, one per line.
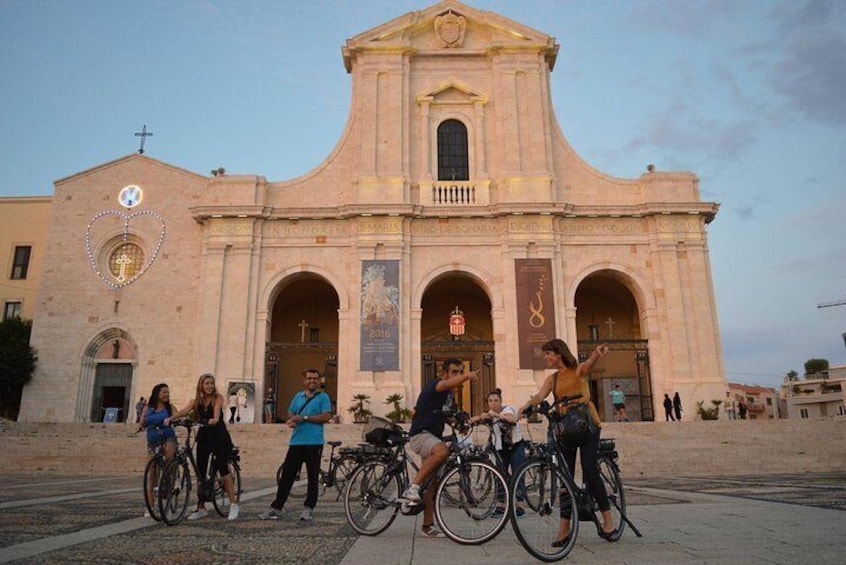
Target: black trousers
(590,471)
(297,455)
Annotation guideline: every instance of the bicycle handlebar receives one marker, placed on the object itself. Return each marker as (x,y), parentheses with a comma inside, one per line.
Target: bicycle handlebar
(545,407)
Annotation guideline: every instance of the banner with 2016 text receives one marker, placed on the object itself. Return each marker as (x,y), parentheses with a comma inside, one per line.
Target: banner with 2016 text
(535,309)
(380,315)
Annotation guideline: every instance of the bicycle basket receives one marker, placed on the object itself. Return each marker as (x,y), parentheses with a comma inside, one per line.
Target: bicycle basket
(379,431)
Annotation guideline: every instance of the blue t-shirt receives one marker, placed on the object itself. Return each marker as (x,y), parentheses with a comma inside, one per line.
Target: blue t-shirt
(309,433)
(618,396)
(157,432)
(425,419)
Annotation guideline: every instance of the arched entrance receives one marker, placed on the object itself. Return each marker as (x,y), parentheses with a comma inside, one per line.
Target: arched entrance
(475,347)
(106,378)
(303,335)
(607,312)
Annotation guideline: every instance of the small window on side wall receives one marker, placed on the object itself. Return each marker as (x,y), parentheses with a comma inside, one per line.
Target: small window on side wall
(453,161)
(11,309)
(20,264)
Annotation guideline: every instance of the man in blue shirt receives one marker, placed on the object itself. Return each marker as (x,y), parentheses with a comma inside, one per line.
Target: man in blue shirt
(427,428)
(307,413)
(618,399)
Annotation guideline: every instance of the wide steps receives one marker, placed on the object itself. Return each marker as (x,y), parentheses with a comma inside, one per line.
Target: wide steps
(647,449)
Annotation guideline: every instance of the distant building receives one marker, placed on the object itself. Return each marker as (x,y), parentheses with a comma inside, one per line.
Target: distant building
(819,397)
(761,401)
(23,240)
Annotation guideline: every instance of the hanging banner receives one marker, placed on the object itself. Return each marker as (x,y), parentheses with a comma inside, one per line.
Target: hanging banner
(535,310)
(380,315)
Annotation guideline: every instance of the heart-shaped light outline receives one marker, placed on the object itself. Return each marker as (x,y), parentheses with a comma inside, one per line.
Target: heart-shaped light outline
(127,218)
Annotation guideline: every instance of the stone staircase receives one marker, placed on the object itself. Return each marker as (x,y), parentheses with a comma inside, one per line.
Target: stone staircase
(647,449)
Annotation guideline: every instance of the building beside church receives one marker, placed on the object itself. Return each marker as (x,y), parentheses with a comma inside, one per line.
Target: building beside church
(452,219)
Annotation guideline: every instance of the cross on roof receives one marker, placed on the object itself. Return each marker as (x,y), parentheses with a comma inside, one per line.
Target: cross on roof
(143,134)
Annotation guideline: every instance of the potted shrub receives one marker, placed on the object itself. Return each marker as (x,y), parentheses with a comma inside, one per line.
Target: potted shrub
(399,414)
(360,412)
(712,413)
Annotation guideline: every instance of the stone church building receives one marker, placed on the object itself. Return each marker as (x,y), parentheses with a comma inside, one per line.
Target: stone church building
(452,219)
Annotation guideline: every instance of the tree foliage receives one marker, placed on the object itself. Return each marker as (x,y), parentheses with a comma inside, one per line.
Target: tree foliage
(17,360)
(816,366)
(792,375)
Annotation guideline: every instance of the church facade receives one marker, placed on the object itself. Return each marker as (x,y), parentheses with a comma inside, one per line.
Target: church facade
(452,219)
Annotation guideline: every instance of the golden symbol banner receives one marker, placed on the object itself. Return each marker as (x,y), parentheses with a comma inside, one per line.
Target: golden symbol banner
(535,309)
(380,314)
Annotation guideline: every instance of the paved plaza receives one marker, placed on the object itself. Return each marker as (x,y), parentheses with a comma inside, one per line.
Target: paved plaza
(770,519)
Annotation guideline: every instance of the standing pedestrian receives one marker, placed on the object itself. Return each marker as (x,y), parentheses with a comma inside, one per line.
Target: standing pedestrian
(731,412)
(618,399)
(668,408)
(677,407)
(308,412)
(742,408)
(269,406)
(139,408)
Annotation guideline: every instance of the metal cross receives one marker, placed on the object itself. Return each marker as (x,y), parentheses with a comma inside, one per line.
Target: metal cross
(303,325)
(143,134)
(123,261)
(610,323)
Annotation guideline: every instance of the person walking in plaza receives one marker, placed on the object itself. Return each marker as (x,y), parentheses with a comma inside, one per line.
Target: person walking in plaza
(742,408)
(507,435)
(156,418)
(269,406)
(571,378)
(618,399)
(677,406)
(139,408)
(309,410)
(426,433)
(668,408)
(212,437)
(729,407)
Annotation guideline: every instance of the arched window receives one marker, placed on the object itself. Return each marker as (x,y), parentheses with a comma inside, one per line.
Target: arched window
(452,151)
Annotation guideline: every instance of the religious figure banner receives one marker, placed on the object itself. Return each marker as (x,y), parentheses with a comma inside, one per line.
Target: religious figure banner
(380,315)
(535,310)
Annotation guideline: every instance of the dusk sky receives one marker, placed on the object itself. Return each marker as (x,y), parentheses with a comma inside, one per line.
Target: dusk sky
(748,94)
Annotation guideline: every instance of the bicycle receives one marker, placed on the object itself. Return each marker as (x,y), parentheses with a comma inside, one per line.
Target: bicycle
(341,466)
(175,483)
(465,497)
(551,492)
(153,471)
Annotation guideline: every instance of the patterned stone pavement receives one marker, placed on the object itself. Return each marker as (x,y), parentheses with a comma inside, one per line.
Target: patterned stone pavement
(89,520)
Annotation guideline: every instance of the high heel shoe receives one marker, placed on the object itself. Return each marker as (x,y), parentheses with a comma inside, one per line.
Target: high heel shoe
(563,541)
(607,536)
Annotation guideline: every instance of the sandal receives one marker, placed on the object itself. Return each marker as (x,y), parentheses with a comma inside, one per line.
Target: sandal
(430,531)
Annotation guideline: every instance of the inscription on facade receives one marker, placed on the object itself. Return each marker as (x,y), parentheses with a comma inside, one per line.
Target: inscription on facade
(435,227)
(602,226)
(530,224)
(305,230)
(382,225)
(226,228)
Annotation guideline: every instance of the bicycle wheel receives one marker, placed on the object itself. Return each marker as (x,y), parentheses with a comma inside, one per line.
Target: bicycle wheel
(466,500)
(221,498)
(531,477)
(370,498)
(344,467)
(549,496)
(150,485)
(616,496)
(174,492)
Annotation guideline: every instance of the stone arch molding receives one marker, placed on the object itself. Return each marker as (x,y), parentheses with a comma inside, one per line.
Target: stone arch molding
(479,276)
(640,288)
(88,370)
(272,288)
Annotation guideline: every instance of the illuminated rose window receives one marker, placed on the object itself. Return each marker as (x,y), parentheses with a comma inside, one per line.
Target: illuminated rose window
(125,261)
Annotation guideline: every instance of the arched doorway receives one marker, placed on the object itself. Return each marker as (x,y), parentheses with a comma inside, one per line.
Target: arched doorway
(106,378)
(475,347)
(607,312)
(303,335)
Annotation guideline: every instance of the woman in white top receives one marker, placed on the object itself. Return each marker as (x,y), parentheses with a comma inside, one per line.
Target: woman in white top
(507,434)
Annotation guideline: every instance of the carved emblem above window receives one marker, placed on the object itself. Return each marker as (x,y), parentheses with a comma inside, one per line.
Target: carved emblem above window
(450,29)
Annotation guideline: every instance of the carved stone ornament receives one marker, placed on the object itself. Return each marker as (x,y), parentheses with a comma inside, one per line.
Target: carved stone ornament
(450,29)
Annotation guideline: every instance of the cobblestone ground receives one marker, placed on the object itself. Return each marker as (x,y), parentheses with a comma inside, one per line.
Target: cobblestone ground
(96,520)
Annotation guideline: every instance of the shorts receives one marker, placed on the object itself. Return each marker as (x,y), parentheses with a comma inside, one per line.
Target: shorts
(151,446)
(423,443)
(268,409)
(621,406)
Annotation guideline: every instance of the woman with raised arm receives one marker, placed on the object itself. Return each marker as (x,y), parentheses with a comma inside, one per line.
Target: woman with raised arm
(211,438)
(571,378)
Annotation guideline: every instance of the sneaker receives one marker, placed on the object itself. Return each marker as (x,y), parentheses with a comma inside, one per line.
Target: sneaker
(412,494)
(431,531)
(147,514)
(234,510)
(306,515)
(198,513)
(272,514)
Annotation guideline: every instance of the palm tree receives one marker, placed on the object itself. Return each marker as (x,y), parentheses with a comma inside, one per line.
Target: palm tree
(360,413)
